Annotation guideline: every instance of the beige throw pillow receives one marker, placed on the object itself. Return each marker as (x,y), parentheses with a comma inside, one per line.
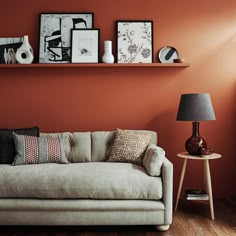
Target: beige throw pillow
(129,146)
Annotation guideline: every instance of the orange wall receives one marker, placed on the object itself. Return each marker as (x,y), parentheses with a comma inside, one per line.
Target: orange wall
(134,98)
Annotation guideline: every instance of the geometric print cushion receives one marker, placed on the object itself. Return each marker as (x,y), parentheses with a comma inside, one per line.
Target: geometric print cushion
(129,146)
(37,150)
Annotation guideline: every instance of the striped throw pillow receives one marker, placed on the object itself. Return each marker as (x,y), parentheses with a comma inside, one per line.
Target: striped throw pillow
(37,150)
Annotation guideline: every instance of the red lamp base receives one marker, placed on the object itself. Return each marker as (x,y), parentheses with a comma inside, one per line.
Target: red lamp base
(195,143)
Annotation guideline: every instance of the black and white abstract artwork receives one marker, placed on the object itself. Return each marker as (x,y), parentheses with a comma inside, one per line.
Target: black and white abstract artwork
(8,48)
(55,35)
(134,41)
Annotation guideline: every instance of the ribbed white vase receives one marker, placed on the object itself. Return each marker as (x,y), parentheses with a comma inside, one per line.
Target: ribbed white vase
(24,54)
(107,56)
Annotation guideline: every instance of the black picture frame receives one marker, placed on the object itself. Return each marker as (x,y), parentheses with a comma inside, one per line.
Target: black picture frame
(85,45)
(55,34)
(134,41)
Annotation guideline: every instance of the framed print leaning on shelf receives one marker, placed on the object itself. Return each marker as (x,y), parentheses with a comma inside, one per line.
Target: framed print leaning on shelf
(134,41)
(55,34)
(85,46)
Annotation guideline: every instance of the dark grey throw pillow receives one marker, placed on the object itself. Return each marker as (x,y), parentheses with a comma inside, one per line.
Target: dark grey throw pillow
(7,144)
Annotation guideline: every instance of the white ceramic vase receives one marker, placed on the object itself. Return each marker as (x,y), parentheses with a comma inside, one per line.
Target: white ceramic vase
(24,54)
(107,56)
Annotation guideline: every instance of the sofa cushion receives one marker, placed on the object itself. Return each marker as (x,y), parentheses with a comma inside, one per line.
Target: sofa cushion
(77,145)
(102,143)
(93,180)
(7,144)
(129,146)
(153,160)
(37,150)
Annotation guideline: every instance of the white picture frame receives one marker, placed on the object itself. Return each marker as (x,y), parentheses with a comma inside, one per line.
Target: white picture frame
(55,34)
(85,45)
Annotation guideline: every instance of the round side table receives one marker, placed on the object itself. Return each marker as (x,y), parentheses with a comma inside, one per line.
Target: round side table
(207,175)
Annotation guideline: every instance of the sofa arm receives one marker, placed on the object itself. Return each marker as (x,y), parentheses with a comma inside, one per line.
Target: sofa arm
(167,180)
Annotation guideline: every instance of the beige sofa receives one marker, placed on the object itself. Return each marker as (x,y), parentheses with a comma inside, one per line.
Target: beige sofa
(89,190)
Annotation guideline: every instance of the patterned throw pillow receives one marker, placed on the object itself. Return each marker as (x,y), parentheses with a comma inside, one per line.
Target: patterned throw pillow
(129,146)
(37,150)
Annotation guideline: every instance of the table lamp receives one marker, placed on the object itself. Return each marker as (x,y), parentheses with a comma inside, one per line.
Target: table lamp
(195,107)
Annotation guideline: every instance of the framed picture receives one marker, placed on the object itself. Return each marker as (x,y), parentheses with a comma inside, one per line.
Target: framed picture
(55,35)
(8,47)
(85,46)
(134,41)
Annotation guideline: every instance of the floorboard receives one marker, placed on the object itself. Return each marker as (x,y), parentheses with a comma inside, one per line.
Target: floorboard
(191,219)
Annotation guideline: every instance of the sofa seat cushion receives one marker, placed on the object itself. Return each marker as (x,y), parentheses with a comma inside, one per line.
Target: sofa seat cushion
(94,180)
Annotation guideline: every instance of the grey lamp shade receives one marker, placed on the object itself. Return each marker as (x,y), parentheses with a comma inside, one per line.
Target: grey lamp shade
(195,107)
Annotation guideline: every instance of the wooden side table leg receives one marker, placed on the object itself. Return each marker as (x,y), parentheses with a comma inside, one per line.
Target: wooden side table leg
(180,183)
(207,175)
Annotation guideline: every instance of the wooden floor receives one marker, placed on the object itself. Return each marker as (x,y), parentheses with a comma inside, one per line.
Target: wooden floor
(191,219)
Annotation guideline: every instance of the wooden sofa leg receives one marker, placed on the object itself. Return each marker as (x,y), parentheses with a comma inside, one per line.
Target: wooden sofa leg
(162,227)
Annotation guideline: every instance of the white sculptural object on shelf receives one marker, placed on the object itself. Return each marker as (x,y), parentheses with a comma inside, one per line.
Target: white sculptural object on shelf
(107,56)
(24,54)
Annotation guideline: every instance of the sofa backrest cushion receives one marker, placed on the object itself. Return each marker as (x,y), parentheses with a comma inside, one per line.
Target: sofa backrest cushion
(102,142)
(77,145)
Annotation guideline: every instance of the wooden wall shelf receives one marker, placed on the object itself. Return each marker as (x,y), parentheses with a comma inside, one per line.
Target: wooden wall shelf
(97,65)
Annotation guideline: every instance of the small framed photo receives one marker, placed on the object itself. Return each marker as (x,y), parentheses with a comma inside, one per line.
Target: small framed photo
(8,48)
(134,41)
(55,34)
(85,46)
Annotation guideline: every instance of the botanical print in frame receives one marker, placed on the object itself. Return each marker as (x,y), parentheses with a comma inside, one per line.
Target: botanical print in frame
(85,46)
(55,35)
(8,48)
(134,41)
